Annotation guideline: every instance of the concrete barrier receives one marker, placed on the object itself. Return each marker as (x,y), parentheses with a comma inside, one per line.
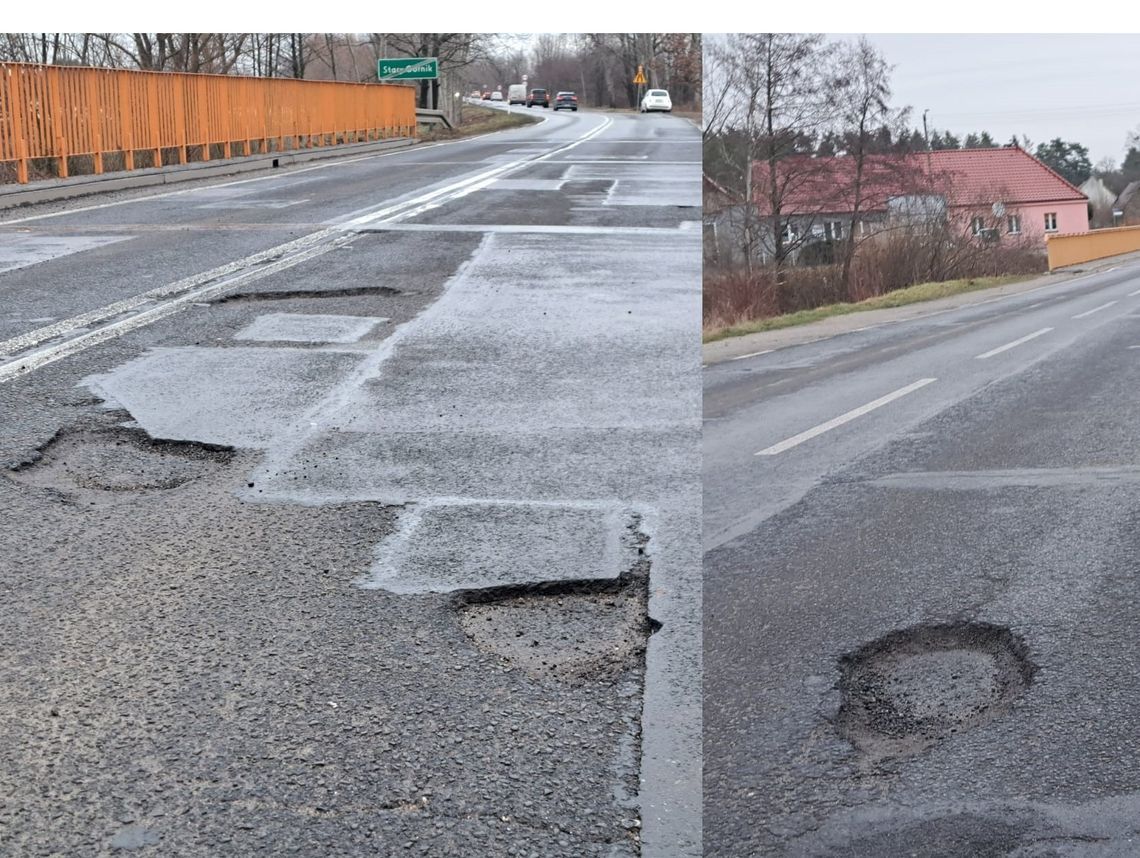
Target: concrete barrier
(1073,248)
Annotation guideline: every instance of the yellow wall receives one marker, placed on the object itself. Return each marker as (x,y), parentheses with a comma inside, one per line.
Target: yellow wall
(1087,246)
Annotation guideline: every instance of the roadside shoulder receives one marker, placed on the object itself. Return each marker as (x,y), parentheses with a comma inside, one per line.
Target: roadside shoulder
(748,344)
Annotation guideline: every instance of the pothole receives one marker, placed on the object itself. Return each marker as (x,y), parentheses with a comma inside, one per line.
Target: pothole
(118,460)
(915,687)
(593,629)
(291,294)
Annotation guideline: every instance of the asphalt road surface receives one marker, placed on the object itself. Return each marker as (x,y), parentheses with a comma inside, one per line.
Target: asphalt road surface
(922,585)
(352,509)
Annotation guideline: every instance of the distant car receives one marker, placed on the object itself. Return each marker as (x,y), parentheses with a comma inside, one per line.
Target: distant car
(566,101)
(516,93)
(656,99)
(487,95)
(476,94)
(538,96)
(496,96)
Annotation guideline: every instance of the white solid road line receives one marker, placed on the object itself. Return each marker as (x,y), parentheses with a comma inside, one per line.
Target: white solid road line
(753,354)
(796,440)
(205,286)
(331,164)
(1094,310)
(1134,294)
(1014,344)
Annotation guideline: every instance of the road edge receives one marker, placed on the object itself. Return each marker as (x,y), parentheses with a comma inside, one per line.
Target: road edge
(732,348)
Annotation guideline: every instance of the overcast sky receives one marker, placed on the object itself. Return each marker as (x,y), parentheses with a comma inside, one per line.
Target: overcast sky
(1081,88)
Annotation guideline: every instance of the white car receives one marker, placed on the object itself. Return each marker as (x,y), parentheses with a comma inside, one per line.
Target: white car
(496,96)
(656,99)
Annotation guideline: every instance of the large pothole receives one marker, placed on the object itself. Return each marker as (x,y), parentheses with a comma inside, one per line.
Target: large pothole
(915,687)
(568,630)
(118,460)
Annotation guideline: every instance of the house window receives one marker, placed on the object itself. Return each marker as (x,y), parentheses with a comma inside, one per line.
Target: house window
(1014,223)
(789,232)
(977,225)
(863,228)
(1050,221)
(834,230)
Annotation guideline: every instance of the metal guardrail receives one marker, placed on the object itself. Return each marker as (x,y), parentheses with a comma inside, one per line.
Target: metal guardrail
(432,117)
(64,112)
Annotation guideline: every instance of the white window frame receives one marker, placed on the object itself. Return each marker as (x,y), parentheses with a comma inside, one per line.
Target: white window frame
(1050,216)
(978,225)
(1013,224)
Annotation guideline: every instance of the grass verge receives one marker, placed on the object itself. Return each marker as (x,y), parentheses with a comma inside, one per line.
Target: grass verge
(900,297)
(479,120)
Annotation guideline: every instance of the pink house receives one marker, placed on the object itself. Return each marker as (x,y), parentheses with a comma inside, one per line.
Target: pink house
(1002,194)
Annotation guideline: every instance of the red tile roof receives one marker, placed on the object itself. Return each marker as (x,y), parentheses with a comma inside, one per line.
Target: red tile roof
(967,177)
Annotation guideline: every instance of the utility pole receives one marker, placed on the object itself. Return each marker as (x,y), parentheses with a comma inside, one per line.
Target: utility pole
(926,136)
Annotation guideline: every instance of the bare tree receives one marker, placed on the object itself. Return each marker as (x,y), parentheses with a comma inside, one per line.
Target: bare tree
(767,100)
(861,90)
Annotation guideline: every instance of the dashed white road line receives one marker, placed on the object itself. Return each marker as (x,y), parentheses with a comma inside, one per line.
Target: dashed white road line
(1134,294)
(1012,345)
(815,431)
(1094,310)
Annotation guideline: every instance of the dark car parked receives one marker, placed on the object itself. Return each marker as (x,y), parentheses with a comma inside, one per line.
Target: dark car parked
(538,96)
(566,101)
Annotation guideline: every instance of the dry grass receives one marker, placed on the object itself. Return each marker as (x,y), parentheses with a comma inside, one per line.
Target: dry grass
(888,271)
(897,298)
(480,120)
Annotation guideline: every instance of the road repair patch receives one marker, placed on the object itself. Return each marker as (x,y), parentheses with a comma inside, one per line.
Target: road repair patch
(242,397)
(442,546)
(308,328)
(20,251)
(915,687)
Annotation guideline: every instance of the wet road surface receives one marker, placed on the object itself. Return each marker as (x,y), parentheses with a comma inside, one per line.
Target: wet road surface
(353,508)
(921,585)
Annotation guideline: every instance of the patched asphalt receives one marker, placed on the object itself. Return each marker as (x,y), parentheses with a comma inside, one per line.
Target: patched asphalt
(919,625)
(195,662)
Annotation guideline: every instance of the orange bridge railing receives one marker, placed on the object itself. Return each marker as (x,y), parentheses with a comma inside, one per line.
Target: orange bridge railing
(56,121)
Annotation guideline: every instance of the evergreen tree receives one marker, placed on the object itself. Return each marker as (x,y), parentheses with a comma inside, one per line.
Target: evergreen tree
(1070,160)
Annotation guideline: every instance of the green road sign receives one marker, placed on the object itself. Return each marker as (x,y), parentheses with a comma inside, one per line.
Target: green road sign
(408,68)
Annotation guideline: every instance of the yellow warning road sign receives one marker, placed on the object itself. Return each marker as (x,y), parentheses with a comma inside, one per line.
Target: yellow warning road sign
(640,78)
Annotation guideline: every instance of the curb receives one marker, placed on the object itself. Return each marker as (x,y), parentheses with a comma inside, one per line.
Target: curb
(62,189)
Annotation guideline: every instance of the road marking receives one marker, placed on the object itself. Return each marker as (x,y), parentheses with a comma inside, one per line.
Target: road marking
(1134,294)
(796,440)
(462,188)
(50,354)
(1014,344)
(275,176)
(538,229)
(205,286)
(1094,310)
(753,354)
